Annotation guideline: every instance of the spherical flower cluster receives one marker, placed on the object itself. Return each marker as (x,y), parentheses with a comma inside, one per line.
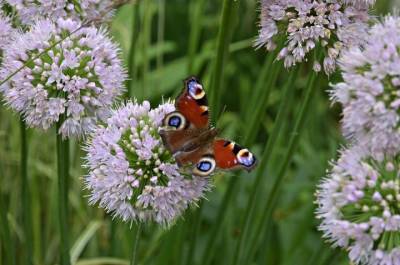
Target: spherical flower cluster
(370,92)
(360,2)
(29,11)
(300,25)
(6,31)
(80,76)
(359,204)
(131,174)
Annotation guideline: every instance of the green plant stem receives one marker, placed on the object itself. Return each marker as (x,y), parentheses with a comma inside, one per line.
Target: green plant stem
(293,142)
(195,227)
(146,42)
(269,80)
(63,175)
(210,248)
(5,234)
(223,40)
(160,32)
(196,9)
(264,85)
(26,196)
(132,50)
(136,244)
(257,184)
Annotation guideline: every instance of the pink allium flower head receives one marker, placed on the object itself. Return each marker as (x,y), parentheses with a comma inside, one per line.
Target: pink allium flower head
(359,205)
(31,10)
(300,25)
(81,76)
(370,92)
(131,174)
(360,2)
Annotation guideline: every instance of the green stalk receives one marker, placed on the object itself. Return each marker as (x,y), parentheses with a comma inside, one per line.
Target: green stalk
(160,31)
(63,175)
(195,227)
(5,234)
(146,42)
(293,142)
(224,38)
(269,80)
(132,50)
(261,93)
(210,248)
(26,196)
(195,28)
(136,243)
(256,188)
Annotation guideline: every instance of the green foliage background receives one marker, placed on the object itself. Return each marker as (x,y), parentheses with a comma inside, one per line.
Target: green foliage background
(162,42)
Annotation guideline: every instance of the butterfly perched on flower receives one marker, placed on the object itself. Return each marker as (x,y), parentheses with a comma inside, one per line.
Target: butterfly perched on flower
(188,135)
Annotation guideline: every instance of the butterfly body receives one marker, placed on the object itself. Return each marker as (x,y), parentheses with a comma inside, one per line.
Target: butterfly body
(187,134)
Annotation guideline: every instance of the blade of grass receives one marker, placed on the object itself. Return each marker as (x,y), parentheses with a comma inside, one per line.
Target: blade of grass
(216,229)
(136,243)
(195,28)
(26,196)
(223,40)
(132,50)
(195,227)
(83,240)
(257,184)
(160,31)
(102,261)
(63,175)
(5,234)
(292,144)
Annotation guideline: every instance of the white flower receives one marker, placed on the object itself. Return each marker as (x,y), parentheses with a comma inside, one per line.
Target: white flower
(31,10)
(370,92)
(81,76)
(359,205)
(300,25)
(131,174)
(6,31)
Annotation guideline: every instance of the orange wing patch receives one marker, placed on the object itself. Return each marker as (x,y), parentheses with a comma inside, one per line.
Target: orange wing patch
(224,155)
(193,112)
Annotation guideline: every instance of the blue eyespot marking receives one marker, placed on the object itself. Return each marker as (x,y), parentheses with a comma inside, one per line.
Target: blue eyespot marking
(246,158)
(195,89)
(204,166)
(248,161)
(175,121)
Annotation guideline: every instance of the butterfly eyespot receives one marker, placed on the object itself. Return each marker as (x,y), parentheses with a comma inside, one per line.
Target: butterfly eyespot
(205,166)
(175,120)
(245,158)
(196,90)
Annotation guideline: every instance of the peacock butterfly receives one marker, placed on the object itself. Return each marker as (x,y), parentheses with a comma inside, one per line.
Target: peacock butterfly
(188,135)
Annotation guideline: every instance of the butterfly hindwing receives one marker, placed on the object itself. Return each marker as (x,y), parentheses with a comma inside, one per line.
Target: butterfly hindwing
(229,155)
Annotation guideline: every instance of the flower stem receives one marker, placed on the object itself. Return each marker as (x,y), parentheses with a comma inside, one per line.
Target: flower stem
(26,196)
(196,9)
(132,49)
(5,234)
(136,244)
(63,175)
(223,40)
(195,227)
(280,119)
(253,126)
(293,142)
(160,32)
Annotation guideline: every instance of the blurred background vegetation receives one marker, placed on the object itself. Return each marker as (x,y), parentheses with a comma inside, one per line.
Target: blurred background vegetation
(162,42)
